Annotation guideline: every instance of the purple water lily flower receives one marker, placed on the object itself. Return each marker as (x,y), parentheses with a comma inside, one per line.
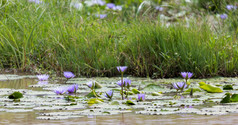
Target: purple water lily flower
(91,84)
(43,77)
(121,68)
(109,94)
(73,88)
(223,16)
(126,82)
(111,5)
(42,83)
(60,90)
(68,75)
(186,75)
(141,97)
(175,86)
(159,8)
(181,85)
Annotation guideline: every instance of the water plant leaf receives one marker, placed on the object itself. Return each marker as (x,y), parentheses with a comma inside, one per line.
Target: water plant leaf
(15,95)
(194,90)
(90,95)
(97,85)
(95,101)
(129,102)
(209,88)
(234,98)
(115,103)
(152,87)
(135,91)
(227,87)
(155,94)
(227,98)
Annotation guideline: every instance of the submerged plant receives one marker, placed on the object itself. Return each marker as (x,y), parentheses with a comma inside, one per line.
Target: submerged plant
(109,94)
(43,77)
(141,97)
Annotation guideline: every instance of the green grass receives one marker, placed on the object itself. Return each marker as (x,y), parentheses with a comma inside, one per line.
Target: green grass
(52,37)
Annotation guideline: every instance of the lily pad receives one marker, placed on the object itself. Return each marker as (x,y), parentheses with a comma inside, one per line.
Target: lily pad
(135,91)
(209,88)
(227,87)
(95,101)
(129,102)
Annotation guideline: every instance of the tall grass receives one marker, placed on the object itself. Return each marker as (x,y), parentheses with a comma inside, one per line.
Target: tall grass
(55,37)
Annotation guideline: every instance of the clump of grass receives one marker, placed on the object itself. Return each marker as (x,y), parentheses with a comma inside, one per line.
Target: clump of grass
(54,37)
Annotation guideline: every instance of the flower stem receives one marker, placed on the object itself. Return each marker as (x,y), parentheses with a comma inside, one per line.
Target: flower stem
(122,84)
(95,94)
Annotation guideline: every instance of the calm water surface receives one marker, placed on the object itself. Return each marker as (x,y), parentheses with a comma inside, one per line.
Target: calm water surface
(29,118)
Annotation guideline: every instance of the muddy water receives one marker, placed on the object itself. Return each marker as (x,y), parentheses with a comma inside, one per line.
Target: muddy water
(120,119)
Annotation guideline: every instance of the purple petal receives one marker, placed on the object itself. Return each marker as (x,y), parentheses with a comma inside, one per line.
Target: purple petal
(141,97)
(121,68)
(68,75)
(43,77)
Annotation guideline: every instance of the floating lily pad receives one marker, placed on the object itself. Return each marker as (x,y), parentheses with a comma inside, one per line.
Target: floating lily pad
(135,91)
(95,101)
(227,87)
(209,88)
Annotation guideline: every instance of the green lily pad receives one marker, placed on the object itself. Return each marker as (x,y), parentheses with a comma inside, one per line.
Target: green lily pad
(152,87)
(227,98)
(15,95)
(95,101)
(135,91)
(156,94)
(209,88)
(227,87)
(129,102)
(234,98)
(115,103)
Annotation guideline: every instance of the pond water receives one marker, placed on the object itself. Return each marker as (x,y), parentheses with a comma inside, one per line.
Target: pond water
(41,106)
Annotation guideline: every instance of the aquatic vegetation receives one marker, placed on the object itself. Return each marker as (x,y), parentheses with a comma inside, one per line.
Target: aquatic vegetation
(179,86)
(209,88)
(109,94)
(15,95)
(60,90)
(122,69)
(43,77)
(68,75)
(92,86)
(141,97)
(230,98)
(227,87)
(73,88)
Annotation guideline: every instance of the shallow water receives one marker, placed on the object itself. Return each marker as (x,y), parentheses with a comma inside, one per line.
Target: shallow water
(14,118)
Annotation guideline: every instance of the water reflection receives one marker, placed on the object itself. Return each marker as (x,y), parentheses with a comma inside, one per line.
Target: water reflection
(17,84)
